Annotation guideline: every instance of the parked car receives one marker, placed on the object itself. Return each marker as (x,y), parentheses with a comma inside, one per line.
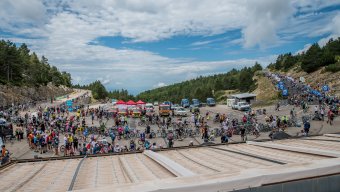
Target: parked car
(180,111)
(241,106)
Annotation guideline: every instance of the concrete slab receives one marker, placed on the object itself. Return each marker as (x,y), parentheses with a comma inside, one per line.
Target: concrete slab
(332,135)
(296,149)
(170,165)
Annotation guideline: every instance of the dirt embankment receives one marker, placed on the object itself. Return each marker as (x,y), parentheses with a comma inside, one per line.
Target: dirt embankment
(266,92)
(14,94)
(265,89)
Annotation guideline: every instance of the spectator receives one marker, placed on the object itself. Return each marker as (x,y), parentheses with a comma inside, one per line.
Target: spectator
(306,128)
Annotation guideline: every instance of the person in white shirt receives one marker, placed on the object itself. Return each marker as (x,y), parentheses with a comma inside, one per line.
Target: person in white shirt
(322,113)
(116,149)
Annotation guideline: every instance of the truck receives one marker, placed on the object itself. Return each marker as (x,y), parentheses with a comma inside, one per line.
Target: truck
(185,103)
(164,110)
(196,103)
(167,103)
(241,106)
(211,102)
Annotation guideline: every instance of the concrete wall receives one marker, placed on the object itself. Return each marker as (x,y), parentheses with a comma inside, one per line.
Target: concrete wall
(321,184)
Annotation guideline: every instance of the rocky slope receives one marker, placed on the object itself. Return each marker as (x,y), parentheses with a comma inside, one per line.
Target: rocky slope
(13,94)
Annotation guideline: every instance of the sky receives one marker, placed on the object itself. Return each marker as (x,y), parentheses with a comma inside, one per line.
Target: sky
(143,44)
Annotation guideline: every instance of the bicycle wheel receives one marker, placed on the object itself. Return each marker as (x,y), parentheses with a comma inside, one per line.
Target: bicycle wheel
(62,148)
(132,135)
(153,134)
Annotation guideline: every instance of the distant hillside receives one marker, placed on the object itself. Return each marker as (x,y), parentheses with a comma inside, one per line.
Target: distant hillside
(312,60)
(203,87)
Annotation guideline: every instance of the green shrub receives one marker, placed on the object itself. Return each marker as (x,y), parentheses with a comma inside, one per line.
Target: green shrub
(333,67)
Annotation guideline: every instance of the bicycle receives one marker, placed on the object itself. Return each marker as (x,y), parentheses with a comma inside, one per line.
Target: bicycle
(142,123)
(161,133)
(141,142)
(62,148)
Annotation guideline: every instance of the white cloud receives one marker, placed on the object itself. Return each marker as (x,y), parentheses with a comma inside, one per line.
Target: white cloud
(265,18)
(333,29)
(160,84)
(65,29)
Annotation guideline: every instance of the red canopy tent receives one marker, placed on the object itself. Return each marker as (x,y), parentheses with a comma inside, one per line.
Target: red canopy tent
(130,103)
(140,102)
(120,102)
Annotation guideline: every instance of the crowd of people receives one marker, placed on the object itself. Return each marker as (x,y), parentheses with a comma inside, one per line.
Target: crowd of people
(86,130)
(303,96)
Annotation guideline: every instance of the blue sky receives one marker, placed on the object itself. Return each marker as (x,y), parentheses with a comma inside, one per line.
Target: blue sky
(140,45)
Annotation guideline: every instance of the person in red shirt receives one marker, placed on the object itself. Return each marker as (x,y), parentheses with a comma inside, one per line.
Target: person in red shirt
(330,115)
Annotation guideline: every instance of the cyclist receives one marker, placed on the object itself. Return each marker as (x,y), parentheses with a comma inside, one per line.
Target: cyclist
(102,129)
(83,122)
(120,131)
(147,144)
(126,130)
(170,139)
(4,155)
(85,133)
(132,145)
(143,120)
(84,150)
(142,137)
(224,137)
(56,144)
(168,122)
(113,136)
(92,117)
(148,130)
